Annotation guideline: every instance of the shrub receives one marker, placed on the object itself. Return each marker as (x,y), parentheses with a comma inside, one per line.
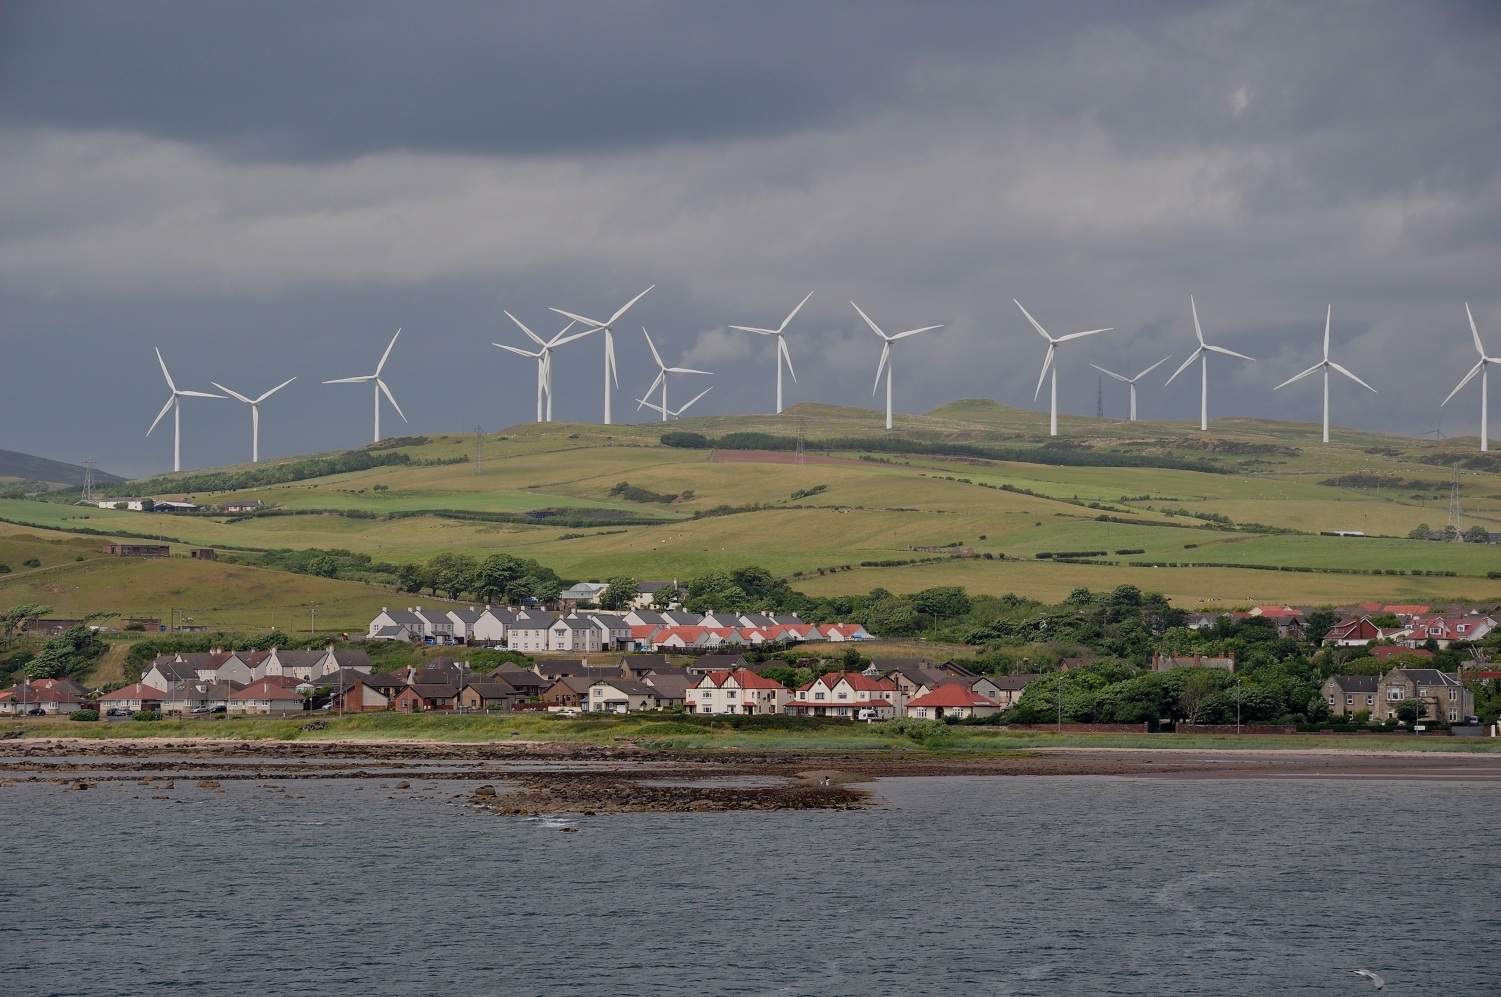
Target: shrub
(146,716)
(921,731)
(32,562)
(84,716)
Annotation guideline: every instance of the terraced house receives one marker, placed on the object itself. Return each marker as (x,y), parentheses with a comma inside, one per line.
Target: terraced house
(741,692)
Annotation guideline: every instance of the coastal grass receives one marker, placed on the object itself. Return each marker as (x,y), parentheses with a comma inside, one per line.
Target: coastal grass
(679,732)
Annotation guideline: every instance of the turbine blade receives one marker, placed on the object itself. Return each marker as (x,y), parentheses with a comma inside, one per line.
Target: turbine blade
(793,314)
(1081,335)
(1153,367)
(642,402)
(1047,361)
(627,306)
(165,373)
(1479,347)
(165,409)
(231,392)
(353,380)
(885,356)
(275,390)
(1110,373)
(391,398)
(695,398)
(873,327)
(511,349)
(1195,309)
(1035,324)
(522,326)
(787,357)
(197,394)
(1228,353)
(1328,320)
(1479,365)
(654,354)
(1191,358)
(610,358)
(751,328)
(387,355)
(1298,377)
(578,318)
(558,340)
(1352,377)
(652,387)
(913,332)
(687,370)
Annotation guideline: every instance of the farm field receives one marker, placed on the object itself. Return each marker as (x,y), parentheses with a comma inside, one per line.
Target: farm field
(876,504)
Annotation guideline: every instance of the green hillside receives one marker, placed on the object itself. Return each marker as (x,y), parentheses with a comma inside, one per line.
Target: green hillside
(1224,517)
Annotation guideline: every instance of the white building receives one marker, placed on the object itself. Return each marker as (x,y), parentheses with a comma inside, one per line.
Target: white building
(741,691)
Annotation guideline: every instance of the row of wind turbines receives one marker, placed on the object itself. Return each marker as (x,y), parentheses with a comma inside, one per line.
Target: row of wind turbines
(885,367)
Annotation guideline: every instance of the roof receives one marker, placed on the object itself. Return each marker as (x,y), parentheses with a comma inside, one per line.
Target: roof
(576,623)
(492,689)
(744,677)
(267,690)
(631,687)
(1427,676)
(1010,683)
(858,681)
(668,685)
(1383,651)
(644,588)
(136,690)
(466,615)
(402,616)
(953,694)
(351,658)
(848,704)
(575,684)
(1355,683)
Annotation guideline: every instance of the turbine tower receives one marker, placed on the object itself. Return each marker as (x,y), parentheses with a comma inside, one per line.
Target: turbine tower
(783,356)
(1131,381)
(379,387)
(255,413)
(543,356)
(1049,364)
(887,363)
(678,412)
(1480,368)
(608,328)
(662,371)
(1325,365)
(1201,354)
(174,402)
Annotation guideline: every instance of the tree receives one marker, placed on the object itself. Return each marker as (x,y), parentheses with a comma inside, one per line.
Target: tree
(16,619)
(1420,532)
(1477,535)
(942,602)
(148,505)
(67,655)
(664,597)
(324,566)
(1410,711)
(891,616)
(452,573)
(1194,690)
(853,660)
(411,578)
(1319,623)
(620,594)
(715,591)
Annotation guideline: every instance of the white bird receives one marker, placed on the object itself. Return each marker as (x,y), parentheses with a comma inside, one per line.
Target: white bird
(676,413)
(1375,978)
(783,356)
(1325,365)
(543,356)
(608,328)
(255,413)
(1480,368)
(1132,380)
(174,402)
(887,363)
(662,371)
(1049,364)
(379,386)
(1201,354)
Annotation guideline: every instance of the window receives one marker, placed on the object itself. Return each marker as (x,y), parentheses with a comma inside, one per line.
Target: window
(1370,700)
(1394,694)
(1453,695)
(1349,700)
(1453,716)
(818,695)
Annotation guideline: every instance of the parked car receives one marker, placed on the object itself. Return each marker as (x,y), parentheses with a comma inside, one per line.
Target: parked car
(868,713)
(221,708)
(117,711)
(203,709)
(37,712)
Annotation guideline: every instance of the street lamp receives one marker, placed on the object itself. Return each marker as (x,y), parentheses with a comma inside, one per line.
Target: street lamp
(312,622)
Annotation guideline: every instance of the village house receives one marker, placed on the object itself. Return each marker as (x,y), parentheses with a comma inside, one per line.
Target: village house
(570,692)
(437,627)
(581,594)
(134,697)
(741,691)
(39,694)
(264,697)
(952,701)
(349,693)
(1348,695)
(1442,695)
(185,697)
(646,594)
(1005,690)
(671,689)
(1446,630)
(425,697)
(492,626)
(529,683)
(845,694)
(621,695)
(1356,632)
(489,694)
(396,624)
(1386,652)
(530,633)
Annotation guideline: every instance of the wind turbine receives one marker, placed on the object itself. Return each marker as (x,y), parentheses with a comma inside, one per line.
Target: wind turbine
(1479,368)
(255,413)
(1048,363)
(608,328)
(174,402)
(1325,365)
(662,371)
(678,412)
(543,356)
(783,356)
(887,363)
(1202,355)
(379,386)
(1132,380)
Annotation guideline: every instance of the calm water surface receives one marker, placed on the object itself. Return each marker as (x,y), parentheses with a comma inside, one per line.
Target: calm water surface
(949,886)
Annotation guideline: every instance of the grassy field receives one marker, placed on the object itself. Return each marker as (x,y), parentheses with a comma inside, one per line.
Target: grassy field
(675,732)
(872,506)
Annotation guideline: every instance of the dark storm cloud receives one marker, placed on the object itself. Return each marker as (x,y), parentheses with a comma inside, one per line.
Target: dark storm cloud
(267,190)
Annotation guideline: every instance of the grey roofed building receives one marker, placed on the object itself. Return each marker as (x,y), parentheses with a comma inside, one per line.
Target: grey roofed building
(1356,683)
(639,664)
(669,688)
(392,632)
(467,614)
(347,658)
(528,682)
(1429,676)
(1009,683)
(651,618)
(678,618)
(576,623)
(715,663)
(631,687)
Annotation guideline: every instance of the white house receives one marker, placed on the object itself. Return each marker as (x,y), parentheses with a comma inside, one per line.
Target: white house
(492,625)
(953,700)
(845,694)
(265,697)
(575,633)
(134,697)
(621,696)
(396,624)
(436,625)
(581,593)
(530,633)
(741,691)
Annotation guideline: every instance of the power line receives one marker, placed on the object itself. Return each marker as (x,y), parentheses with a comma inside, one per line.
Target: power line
(1454,510)
(88,478)
(1099,396)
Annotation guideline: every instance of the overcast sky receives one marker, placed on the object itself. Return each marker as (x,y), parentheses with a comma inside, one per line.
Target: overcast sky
(263,190)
